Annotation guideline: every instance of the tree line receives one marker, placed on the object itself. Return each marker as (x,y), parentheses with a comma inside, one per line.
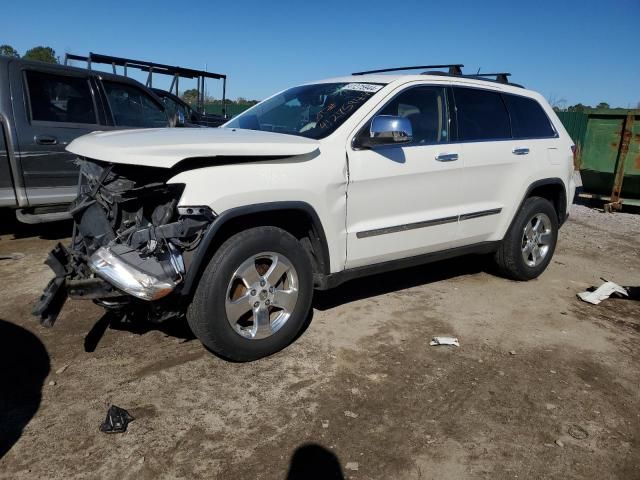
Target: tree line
(579,107)
(191,97)
(560,105)
(40,53)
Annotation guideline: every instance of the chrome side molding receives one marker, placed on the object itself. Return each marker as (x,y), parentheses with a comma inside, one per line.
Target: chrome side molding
(427,223)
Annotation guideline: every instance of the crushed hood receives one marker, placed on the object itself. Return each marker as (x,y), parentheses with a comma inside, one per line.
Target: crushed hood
(165,147)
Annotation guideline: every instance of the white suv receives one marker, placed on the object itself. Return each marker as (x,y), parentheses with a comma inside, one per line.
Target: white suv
(322,183)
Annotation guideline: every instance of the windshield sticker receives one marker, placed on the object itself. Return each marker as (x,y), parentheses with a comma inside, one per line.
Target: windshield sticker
(330,114)
(362,87)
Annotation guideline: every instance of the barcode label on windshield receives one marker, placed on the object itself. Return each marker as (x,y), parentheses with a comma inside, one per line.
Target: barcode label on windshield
(362,87)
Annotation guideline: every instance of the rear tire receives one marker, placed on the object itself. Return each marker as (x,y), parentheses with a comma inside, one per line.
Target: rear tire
(527,248)
(254,296)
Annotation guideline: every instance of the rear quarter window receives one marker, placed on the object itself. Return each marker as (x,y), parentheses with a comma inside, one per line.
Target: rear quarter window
(528,119)
(481,115)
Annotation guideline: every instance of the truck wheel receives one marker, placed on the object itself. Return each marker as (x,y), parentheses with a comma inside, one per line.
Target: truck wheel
(528,246)
(254,296)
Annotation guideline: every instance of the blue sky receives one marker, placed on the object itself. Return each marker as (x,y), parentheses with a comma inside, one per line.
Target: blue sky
(579,51)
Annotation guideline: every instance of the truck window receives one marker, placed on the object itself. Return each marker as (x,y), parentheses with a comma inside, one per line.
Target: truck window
(132,107)
(528,119)
(481,115)
(172,107)
(59,98)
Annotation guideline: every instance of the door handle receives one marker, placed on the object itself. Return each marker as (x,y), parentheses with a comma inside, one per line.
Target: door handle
(447,157)
(521,151)
(46,140)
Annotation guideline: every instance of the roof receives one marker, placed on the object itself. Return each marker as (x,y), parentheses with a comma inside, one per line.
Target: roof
(66,68)
(399,79)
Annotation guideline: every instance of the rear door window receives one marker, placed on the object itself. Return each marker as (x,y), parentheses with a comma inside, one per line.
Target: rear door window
(481,115)
(60,98)
(528,119)
(132,107)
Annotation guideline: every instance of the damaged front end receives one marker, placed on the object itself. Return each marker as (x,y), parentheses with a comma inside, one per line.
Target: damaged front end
(131,244)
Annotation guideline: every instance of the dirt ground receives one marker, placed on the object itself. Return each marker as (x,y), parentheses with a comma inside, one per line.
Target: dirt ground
(542,386)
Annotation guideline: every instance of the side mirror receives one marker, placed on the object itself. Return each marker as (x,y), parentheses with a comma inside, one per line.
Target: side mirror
(389,129)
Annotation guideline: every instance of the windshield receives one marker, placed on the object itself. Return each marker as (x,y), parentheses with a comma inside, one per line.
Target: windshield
(313,111)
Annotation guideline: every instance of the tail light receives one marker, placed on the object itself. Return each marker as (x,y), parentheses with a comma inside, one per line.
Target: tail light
(575,151)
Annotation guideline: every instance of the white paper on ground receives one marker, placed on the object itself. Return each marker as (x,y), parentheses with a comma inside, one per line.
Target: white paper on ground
(603,292)
(445,341)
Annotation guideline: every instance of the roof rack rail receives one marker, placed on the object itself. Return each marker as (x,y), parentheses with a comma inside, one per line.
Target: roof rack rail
(454,69)
(158,68)
(502,77)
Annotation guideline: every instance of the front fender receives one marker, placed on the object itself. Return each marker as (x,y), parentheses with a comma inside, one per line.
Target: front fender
(201,255)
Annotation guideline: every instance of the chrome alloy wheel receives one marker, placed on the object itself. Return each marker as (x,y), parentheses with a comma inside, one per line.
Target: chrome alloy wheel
(261,295)
(536,239)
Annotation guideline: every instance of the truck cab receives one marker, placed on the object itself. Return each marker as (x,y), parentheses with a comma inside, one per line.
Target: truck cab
(43,107)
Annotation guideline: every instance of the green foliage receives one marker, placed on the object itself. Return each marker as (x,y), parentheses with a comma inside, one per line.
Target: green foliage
(9,51)
(214,105)
(42,54)
(228,101)
(578,108)
(190,96)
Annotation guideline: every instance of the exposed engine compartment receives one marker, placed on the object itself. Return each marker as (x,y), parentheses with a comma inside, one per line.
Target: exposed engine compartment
(130,242)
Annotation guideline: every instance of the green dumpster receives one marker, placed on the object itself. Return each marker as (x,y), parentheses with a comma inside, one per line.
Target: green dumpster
(608,154)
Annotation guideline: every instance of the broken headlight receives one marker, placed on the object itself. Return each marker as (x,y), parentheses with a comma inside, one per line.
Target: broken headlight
(144,278)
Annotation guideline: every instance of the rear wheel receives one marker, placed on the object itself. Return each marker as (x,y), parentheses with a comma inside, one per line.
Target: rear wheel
(254,295)
(527,248)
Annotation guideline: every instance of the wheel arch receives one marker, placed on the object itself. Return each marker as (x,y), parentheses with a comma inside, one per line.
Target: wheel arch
(296,217)
(554,190)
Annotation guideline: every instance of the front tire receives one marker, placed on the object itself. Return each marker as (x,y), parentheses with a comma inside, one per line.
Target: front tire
(527,248)
(254,296)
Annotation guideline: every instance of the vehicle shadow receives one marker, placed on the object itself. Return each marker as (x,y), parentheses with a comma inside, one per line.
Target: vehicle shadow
(24,366)
(314,462)
(9,225)
(176,327)
(323,300)
(399,280)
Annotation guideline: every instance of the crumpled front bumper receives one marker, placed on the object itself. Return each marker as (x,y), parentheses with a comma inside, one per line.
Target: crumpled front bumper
(129,245)
(119,272)
(64,285)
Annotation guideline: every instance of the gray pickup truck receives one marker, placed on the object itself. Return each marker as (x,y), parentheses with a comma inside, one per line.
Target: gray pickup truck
(43,107)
